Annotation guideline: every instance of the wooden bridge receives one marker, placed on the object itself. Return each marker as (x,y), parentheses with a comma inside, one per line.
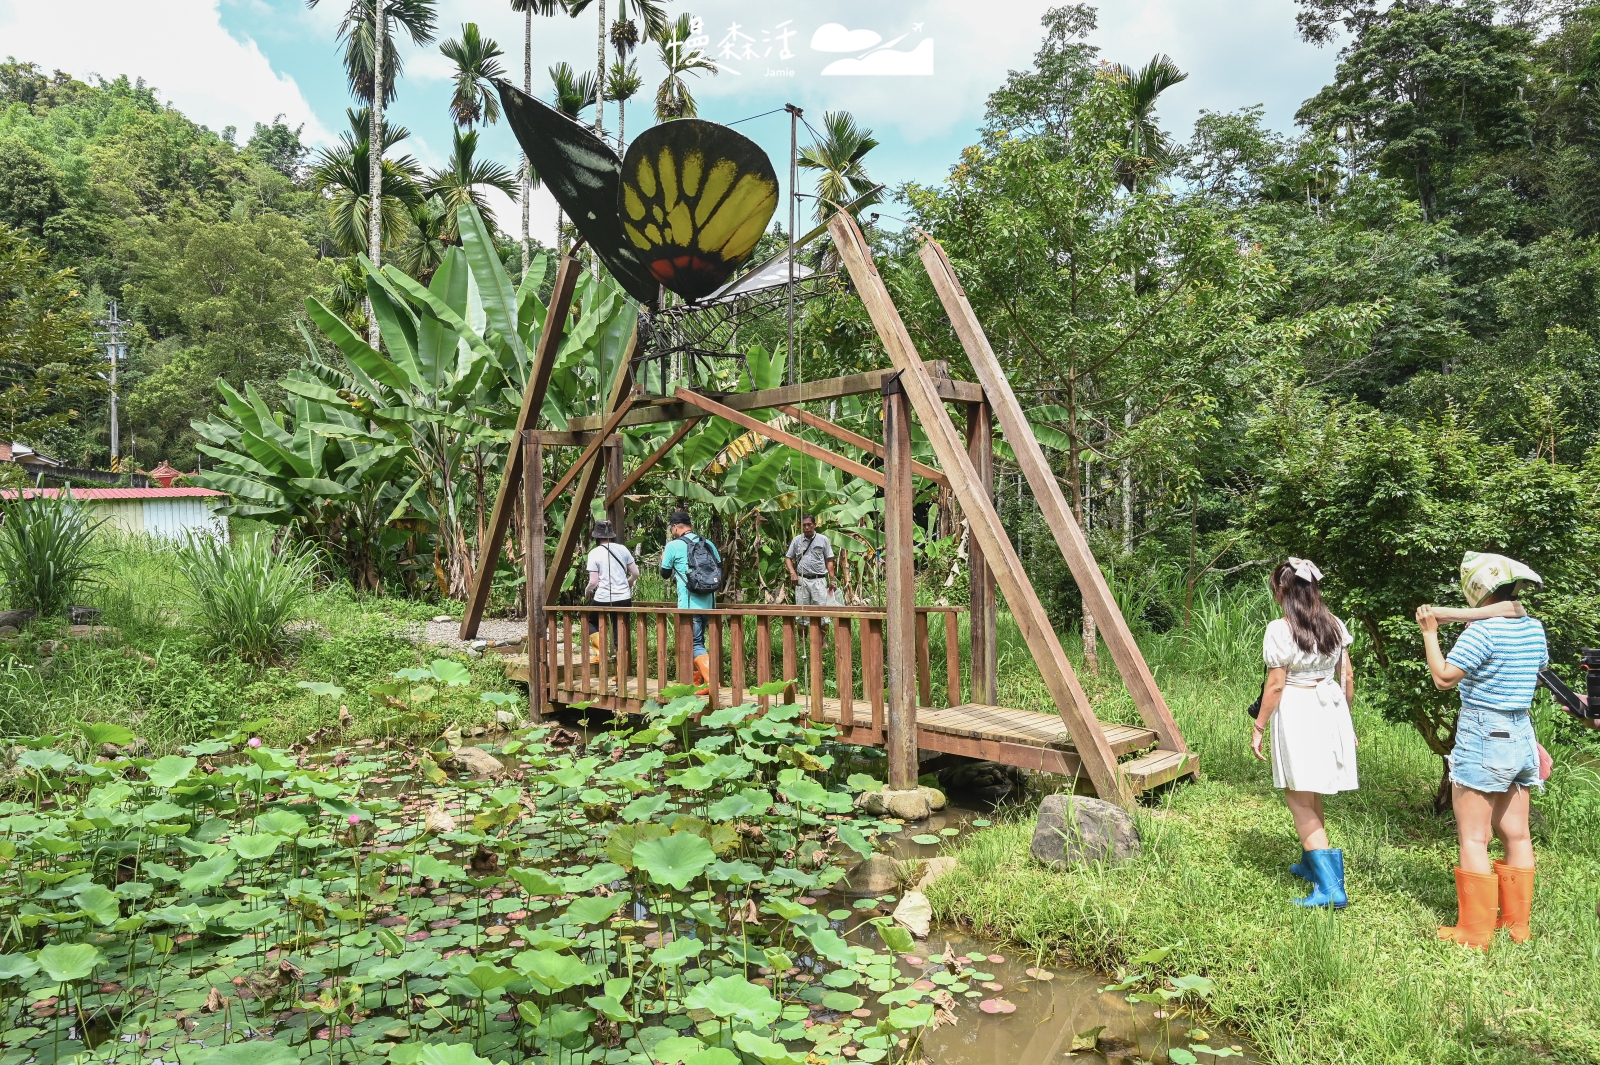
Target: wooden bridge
(866,669)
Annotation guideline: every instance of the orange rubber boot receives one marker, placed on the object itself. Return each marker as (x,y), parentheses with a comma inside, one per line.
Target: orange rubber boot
(702,673)
(1516,900)
(1478,905)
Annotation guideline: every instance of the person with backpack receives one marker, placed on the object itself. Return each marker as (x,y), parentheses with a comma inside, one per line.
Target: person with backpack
(696,564)
(612,573)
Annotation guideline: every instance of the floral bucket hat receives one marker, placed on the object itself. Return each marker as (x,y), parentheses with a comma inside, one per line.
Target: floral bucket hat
(1483,573)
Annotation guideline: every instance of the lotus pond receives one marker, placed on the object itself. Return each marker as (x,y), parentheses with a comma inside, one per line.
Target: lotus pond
(667,892)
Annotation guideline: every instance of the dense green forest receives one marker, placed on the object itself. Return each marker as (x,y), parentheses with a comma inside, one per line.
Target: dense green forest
(1373,341)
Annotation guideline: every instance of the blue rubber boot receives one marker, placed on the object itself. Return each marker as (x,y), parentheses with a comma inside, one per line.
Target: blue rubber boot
(1301,869)
(1327,868)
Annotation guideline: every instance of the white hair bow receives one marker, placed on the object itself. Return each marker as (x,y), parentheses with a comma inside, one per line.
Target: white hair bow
(1305,569)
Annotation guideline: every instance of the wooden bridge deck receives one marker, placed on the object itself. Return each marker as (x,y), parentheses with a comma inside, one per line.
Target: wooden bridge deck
(1021,738)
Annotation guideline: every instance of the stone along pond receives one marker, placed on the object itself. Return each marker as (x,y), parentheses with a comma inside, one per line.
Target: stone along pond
(682,889)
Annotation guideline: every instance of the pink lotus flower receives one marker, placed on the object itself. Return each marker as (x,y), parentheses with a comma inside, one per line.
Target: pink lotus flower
(255,741)
(355,819)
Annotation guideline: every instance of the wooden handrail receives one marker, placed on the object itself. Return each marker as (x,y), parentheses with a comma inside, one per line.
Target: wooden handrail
(762,610)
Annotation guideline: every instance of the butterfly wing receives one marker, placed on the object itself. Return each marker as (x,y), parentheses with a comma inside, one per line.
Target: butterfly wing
(583,174)
(696,197)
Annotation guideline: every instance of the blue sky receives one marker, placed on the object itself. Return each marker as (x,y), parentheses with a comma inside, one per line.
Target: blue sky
(234,62)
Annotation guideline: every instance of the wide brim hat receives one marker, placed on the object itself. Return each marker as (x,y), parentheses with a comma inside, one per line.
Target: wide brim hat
(603,530)
(1483,573)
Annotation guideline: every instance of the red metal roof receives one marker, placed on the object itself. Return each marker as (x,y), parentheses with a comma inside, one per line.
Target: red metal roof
(88,494)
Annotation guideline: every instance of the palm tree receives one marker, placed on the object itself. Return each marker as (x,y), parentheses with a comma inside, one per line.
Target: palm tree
(573,92)
(673,99)
(836,154)
(622,84)
(477,60)
(530,180)
(1148,147)
(343,173)
(650,12)
(424,248)
(459,181)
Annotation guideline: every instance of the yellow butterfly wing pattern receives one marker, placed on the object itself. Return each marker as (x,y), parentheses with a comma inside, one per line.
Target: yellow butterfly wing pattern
(696,197)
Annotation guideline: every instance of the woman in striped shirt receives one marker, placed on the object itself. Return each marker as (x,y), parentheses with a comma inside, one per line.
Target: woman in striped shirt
(1496,664)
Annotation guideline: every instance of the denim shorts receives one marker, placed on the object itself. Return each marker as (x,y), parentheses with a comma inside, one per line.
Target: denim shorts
(1494,750)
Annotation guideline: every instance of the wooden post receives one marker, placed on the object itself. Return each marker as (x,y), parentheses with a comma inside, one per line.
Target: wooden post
(683,643)
(763,656)
(1097,598)
(736,681)
(952,660)
(900,621)
(791,659)
(814,650)
(844,671)
(616,507)
(1072,703)
(539,371)
(984,670)
(533,555)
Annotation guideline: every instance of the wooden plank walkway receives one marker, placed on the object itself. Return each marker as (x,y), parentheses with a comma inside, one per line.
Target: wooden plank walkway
(1021,738)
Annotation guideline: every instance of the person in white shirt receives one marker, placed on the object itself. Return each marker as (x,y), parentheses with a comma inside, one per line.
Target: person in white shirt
(612,574)
(810,561)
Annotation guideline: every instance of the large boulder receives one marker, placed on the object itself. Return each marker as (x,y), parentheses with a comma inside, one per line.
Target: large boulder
(877,875)
(479,762)
(1074,830)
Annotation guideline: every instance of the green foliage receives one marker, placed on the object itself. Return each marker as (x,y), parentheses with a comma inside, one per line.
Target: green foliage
(45,551)
(48,362)
(245,594)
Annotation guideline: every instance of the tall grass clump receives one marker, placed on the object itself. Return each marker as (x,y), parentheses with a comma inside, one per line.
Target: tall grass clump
(244,595)
(45,551)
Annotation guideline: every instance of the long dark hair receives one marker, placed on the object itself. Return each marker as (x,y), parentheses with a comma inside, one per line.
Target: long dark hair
(1315,629)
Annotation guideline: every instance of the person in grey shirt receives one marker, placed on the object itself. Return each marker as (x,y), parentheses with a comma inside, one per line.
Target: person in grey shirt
(811,565)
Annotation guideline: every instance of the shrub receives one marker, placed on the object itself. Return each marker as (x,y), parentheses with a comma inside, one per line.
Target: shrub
(45,557)
(244,595)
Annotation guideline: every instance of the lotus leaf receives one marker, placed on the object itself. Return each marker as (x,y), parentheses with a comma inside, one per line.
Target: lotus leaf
(748,803)
(170,769)
(17,966)
(676,953)
(713,1056)
(675,1049)
(853,838)
(675,860)
(452,673)
(765,1050)
(100,904)
(735,998)
(255,847)
(98,732)
(255,1052)
(593,909)
(644,807)
(556,971)
(609,1008)
(450,1054)
(910,1018)
(67,962)
(321,688)
(45,761)
(604,873)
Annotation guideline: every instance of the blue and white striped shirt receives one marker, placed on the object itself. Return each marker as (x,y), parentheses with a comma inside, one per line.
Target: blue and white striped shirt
(1501,658)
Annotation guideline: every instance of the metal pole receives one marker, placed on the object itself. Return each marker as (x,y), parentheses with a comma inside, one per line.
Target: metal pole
(115,351)
(794,199)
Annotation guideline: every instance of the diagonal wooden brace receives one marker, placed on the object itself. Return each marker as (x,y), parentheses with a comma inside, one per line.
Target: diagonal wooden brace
(778,436)
(1097,597)
(845,436)
(1071,701)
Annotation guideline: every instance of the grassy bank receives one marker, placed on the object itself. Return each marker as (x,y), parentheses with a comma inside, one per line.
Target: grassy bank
(1369,984)
(157,675)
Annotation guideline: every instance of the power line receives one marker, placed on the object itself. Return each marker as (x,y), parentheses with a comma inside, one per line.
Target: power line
(752,118)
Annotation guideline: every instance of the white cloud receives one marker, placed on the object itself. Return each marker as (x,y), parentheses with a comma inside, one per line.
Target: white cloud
(833,37)
(178,46)
(887,61)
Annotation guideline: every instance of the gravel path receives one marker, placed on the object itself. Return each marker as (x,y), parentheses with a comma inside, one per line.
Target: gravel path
(491,632)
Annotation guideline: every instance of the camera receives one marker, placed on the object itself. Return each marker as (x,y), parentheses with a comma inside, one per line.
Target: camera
(1589,661)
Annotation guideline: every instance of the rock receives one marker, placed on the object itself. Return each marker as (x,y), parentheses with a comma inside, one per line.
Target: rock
(479,762)
(8,631)
(93,632)
(933,869)
(444,618)
(874,876)
(50,647)
(47,666)
(935,797)
(16,618)
(870,802)
(908,805)
(1074,830)
(914,914)
(83,615)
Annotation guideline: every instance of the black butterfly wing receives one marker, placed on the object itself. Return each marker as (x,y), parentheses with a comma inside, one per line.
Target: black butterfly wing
(583,174)
(696,198)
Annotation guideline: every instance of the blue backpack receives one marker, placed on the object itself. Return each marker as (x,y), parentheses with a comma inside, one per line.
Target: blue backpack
(705,568)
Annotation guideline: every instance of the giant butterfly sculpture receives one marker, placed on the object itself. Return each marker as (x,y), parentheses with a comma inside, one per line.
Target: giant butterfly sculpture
(684,209)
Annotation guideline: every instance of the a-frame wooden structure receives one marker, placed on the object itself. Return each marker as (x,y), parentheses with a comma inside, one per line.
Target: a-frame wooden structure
(893,654)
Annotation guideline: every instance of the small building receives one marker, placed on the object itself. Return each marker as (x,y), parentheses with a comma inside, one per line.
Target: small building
(164,513)
(22,454)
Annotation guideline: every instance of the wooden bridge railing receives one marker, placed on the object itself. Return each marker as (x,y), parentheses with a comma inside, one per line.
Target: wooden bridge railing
(749,646)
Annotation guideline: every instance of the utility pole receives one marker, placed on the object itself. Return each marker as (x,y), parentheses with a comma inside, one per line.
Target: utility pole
(116,352)
(794,200)
(375,158)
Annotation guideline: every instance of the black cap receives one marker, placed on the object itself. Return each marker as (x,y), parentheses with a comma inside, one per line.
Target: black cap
(604,530)
(679,517)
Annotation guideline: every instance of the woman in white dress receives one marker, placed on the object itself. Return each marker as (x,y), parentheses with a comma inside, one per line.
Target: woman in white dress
(1307,702)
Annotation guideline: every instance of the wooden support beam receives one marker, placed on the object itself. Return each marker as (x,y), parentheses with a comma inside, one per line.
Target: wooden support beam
(663,409)
(1097,598)
(1070,699)
(616,507)
(900,650)
(539,371)
(557,438)
(589,452)
(533,554)
(660,453)
(589,479)
(778,436)
(840,433)
(985,677)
